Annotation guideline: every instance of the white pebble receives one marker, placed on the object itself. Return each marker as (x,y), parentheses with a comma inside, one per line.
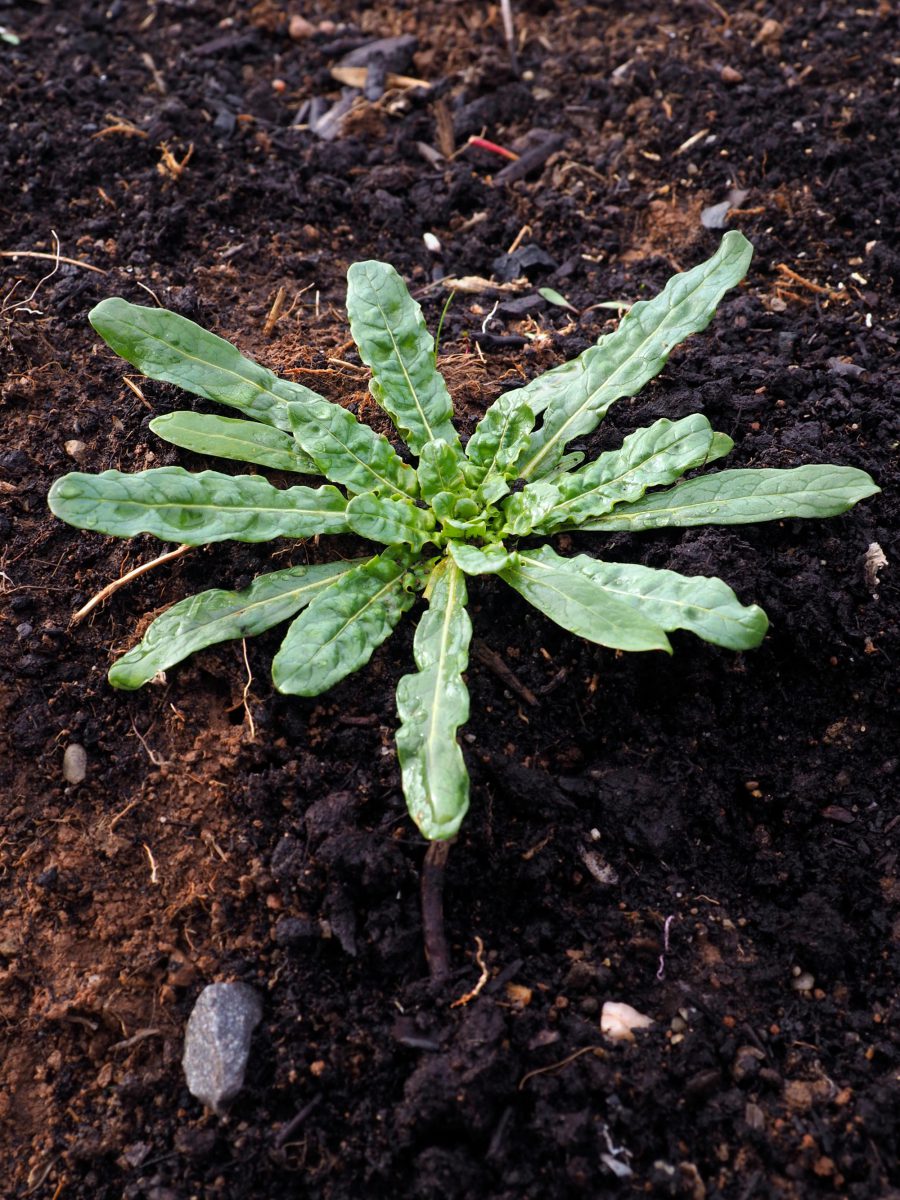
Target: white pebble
(618,1021)
(74,763)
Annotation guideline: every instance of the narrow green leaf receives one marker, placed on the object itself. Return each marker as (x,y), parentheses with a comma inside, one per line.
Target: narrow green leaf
(343,626)
(577,394)
(552,296)
(218,616)
(348,452)
(474,560)
(225,437)
(163,345)
(177,506)
(559,589)
(389,329)
(440,470)
(432,704)
(659,454)
(501,437)
(390,521)
(740,497)
(703,605)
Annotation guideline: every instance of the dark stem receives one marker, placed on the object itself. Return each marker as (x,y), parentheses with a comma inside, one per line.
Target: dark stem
(436,951)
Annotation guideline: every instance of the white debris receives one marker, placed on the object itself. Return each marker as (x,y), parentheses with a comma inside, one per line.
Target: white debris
(599,868)
(875,560)
(618,1021)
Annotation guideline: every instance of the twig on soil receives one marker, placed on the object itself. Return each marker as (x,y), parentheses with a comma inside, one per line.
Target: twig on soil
(274,312)
(661,970)
(151,754)
(154,877)
(492,660)
(437,953)
(22,305)
(485,976)
(122,812)
(38,1174)
(119,125)
(107,591)
(132,386)
(73,262)
(691,141)
(295,1122)
(789,273)
(525,231)
(246,692)
(558,1066)
(140,1036)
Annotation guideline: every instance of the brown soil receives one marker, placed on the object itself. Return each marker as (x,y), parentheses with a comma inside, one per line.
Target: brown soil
(746,803)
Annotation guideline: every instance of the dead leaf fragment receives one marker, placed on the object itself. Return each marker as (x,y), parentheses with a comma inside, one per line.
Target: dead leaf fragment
(474,285)
(875,561)
(519,995)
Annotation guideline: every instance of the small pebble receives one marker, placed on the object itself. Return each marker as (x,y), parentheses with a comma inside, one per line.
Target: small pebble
(618,1021)
(754,1116)
(731,75)
(804,982)
(299,29)
(75,449)
(74,763)
(217,1042)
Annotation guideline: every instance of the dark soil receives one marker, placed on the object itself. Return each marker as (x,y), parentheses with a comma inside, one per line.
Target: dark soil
(746,803)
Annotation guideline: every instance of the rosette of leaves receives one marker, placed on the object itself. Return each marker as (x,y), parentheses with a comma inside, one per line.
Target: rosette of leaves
(460,511)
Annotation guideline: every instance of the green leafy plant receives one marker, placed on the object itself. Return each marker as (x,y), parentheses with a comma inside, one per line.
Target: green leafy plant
(460,512)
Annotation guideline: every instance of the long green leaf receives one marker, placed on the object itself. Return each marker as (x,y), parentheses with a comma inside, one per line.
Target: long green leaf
(165,346)
(225,437)
(559,589)
(576,396)
(177,506)
(218,616)
(348,452)
(740,497)
(657,455)
(390,521)
(389,329)
(703,605)
(339,632)
(432,703)
(501,438)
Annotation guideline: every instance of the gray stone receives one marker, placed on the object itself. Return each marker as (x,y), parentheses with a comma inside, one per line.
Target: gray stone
(396,53)
(217,1042)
